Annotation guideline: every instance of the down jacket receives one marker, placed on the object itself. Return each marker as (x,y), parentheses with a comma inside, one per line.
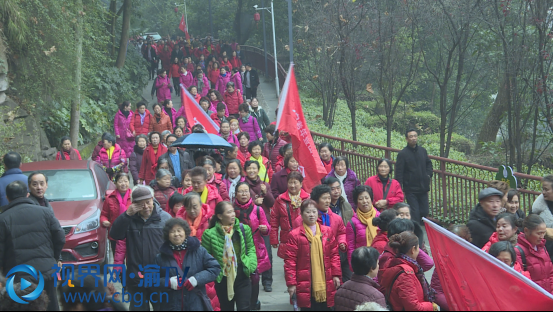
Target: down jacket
(147,167)
(414,170)
(163,124)
(162,88)
(236,78)
(205,86)
(201,265)
(122,128)
(263,263)
(540,208)
(162,196)
(255,191)
(204,223)
(213,240)
(271,151)
(395,194)
(233,100)
(186,79)
(359,237)
(380,241)
(423,259)
(251,127)
(350,182)
(137,126)
(358,290)
(221,83)
(143,239)
(406,294)
(114,206)
(481,226)
(538,262)
(135,160)
(118,159)
(336,224)
(297,264)
(283,215)
(220,186)
(213,196)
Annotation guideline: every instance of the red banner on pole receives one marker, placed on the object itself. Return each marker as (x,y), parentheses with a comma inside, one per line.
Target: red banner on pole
(291,119)
(195,114)
(473,280)
(184,28)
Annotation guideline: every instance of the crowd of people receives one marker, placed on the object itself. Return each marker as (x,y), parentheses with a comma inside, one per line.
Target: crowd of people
(346,245)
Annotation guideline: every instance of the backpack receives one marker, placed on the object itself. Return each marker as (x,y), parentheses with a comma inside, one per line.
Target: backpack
(388,293)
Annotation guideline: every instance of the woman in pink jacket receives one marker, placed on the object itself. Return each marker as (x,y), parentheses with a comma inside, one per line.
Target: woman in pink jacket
(122,127)
(224,78)
(186,78)
(163,86)
(248,123)
(112,157)
(253,216)
(236,78)
(202,83)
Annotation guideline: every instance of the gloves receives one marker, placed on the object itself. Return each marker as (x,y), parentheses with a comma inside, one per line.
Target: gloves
(174,283)
(190,283)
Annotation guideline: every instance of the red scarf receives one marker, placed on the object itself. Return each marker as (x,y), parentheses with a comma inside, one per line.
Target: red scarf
(161,149)
(243,211)
(327,165)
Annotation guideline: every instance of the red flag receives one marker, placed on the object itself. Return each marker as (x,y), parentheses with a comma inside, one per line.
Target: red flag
(473,280)
(182,26)
(290,119)
(195,114)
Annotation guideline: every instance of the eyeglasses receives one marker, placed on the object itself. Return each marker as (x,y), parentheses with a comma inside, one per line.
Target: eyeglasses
(243,192)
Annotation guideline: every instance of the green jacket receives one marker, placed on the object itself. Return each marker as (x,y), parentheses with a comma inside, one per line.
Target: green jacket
(213,240)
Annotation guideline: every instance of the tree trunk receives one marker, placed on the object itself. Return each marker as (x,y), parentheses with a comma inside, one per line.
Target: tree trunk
(124,34)
(113,22)
(238,21)
(76,103)
(488,132)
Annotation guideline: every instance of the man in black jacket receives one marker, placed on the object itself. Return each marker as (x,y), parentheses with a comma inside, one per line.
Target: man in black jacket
(30,234)
(38,184)
(482,218)
(177,158)
(251,82)
(142,227)
(413,172)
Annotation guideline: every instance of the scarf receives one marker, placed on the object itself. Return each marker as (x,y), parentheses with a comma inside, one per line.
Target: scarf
(123,201)
(243,211)
(230,263)
(325,217)
(295,201)
(158,117)
(245,119)
(109,151)
(367,219)
(384,184)
(142,117)
(232,187)
(125,113)
(342,179)
(262,169)
(154,155)
(318,280)
(137,149)
(178,247)
(194,224)
(327,165)
(203,196)
(429,293)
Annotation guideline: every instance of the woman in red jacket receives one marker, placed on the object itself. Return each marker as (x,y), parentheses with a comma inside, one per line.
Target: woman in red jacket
(386,191)
(67,152)
(536,259)
(265,170)
(150,157)
(213,178)
(312,262)
(404,284)
(505,230)
(141,120)
(116,203)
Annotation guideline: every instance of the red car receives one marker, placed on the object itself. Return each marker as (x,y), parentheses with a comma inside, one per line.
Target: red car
(77,190)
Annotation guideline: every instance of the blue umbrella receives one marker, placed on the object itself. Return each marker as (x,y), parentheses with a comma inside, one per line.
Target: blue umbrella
(201,140)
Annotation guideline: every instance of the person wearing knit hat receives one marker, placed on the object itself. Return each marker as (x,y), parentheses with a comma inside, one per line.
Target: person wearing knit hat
(142,228)
(482,218)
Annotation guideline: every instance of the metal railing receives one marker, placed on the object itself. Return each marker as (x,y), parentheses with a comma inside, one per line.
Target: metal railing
(454,186)
(257,58)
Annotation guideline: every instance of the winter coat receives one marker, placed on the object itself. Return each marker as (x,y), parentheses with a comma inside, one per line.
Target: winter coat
(406,293)
(380,241)
(72,155)
(439,295)
(414,170)
(220,186)
(357,238)
(173,116)
(163,124)
(135,160)
(165,57)
(221,84)
(213,196)
(186,161)
(162,196)
(205,88)
(481,226)
(540,208)
(261,116)
(346,212)
(226,64)
(336,224)
(395,194)
(163,90)
(350,182)
(174,72)
(270,150)
(113,208)
(9,176)
(200,264)
(255,191)
(36,202)
(358,290)
(297,264)
(143,239)
(233,101)
(257,217)
(204,223)
(423,259)
(236,78)
(283,216)
(213,107)
(213,240)
(137,125)
(279,183)
(97,150)
(236,62)
(30,234)
(251,127)
(232,139)
(187,79)
(118,158)
(213,76)
(122,128)
(147,167)
(538,262)
(254,79)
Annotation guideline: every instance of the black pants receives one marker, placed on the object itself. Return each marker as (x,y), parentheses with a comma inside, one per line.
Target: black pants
(267,276)
(242,292)
(254,278)
(153,69)
(251,93)
(176,85)
(419,205)
(141,302)
(50,290)
(317,306)
(344,263)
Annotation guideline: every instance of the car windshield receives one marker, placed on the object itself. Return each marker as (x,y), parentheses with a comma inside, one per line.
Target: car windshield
(69,185)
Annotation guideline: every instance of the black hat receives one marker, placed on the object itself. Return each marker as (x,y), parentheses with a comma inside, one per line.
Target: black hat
(490,191)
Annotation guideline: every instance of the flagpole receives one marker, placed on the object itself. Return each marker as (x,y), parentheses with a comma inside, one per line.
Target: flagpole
(185,14)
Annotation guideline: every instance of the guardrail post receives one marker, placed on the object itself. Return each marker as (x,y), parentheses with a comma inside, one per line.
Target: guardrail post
(444,188)
(387,154)
(342,145)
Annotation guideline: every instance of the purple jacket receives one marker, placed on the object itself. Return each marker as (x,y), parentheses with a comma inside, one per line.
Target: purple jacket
(279,183)
(252,128)
(358,290)
(237,80)
(221,84)
(121,126)
(186,80)
(135,160)
(205,88)
(163,90)
(439,296)
(273,157)
(359,238)
(350,183)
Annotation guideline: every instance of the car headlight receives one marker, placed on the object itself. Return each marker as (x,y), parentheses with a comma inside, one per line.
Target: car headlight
(91,223)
